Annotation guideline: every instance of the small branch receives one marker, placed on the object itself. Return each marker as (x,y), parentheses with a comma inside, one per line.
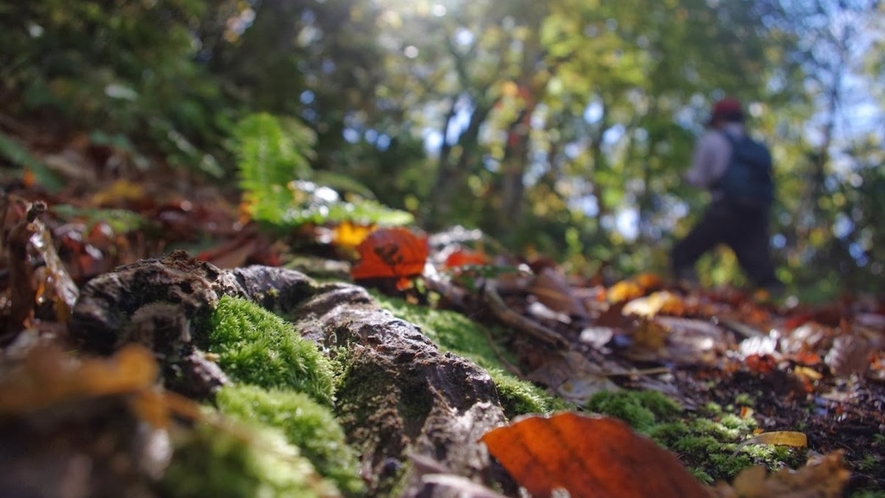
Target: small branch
(521,323)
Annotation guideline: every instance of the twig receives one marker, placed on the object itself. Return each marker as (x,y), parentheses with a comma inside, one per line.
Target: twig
(511,368)
(646,371)
(4,212)
(521,323)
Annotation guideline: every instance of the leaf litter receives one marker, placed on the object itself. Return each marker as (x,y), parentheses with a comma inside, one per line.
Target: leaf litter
(820,370)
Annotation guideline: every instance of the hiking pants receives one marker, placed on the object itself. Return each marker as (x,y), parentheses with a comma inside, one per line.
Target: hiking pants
(742,228)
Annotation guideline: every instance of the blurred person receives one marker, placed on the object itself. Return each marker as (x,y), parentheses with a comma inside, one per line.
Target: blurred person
(736,170)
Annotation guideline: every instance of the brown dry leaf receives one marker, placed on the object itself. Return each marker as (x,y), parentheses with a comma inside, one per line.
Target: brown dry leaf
(54,284)
(848,355)
(23,290)
(552,290)
(588,456)
(48,376)
(824,477)
(232,254)
(575,378)
(648,338)
(692,341)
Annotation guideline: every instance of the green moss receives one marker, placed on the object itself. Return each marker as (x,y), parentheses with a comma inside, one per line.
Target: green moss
(744,399)
(707,442)
(639,409)
(709,445)
(519,397)
(449,330)
(257,347)
(307,425)
(211,462)
(458,334)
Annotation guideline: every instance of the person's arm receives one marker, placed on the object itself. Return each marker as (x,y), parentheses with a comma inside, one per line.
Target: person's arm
(709,160)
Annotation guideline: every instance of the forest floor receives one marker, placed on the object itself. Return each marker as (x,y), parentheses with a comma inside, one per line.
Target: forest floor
(740,363)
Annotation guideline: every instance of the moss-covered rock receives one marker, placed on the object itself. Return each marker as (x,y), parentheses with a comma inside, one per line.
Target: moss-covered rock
(519,397)
(450,331)
(460,335)
(306,424)
(212,462)
(256,347)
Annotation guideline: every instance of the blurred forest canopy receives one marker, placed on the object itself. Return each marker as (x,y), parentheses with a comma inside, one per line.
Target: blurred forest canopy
(561,126)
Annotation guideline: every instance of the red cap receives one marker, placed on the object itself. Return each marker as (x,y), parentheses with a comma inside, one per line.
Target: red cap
(726,107)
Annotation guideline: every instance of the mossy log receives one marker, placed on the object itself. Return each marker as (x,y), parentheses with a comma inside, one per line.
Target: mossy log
(398,396)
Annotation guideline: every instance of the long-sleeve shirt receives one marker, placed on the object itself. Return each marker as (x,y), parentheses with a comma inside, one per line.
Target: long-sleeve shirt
(711,157)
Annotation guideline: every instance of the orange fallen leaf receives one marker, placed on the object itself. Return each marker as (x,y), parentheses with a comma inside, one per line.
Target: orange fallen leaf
(391,253)
(762,364)
(649,281)
(625,290)
(465,257)
(588,456)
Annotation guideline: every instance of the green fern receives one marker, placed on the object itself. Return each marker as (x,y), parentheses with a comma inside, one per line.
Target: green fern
(275,175)
(270,156)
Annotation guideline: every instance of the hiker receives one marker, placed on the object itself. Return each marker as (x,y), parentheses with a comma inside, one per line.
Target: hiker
(737,172)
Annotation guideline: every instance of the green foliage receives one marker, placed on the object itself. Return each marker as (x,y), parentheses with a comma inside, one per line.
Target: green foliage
(119,220)
(268,154)
(12,151)
(209,462)
(256,347)
(275,172)
(429,113)
(307,425)
(118,68)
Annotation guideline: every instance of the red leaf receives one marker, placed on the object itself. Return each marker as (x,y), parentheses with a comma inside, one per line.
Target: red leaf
(588,456)
(391,253)
(465,257)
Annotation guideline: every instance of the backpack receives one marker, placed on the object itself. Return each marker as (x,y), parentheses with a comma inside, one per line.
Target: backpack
(748,175)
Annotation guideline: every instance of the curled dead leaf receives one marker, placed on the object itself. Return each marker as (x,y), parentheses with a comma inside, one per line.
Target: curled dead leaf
(848,355)
(552,290)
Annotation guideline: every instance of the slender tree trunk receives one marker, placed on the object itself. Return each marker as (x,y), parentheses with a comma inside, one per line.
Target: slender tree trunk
(454,167)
